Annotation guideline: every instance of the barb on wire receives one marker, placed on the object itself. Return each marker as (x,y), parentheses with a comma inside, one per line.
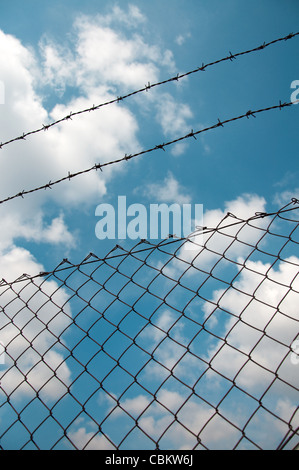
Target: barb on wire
(133,349)
(100,166)
(146,88)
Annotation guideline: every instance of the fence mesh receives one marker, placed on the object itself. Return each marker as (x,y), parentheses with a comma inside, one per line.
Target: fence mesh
(181,344)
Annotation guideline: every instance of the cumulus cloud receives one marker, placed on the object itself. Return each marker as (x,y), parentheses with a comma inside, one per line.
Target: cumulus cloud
(103,55)
(168,191)
(204,250)
(34,228)
(132,18)
(16,262)
(249,327)
(284,197)
(263,323)
(193,418)
(257,319)
(174,118)
(83,439)
(181,38)
(99,62)
(34,362)
(56,232)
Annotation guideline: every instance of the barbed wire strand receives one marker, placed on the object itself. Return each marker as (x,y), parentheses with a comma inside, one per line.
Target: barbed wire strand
(147,87)
(192,134)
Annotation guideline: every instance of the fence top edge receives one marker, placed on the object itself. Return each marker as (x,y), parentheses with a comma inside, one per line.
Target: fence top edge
(92,258)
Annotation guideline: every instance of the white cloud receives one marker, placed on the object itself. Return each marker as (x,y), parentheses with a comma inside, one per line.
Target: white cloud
(192,417)
(134,406)
(263,322)
(58,64)
(22,110)
(34,361)
(167,352)
(167,337)
(255,356)
(100,62)
(133,18)
(89,440)
(88,141)
(204,250)
(54,233)
(16,262)
(285,408)
(174,117)
(181,38)
(27,222)
(284,197)
(103,56)
(119,60)
(168,191)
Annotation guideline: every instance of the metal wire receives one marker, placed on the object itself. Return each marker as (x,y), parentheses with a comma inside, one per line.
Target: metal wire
(146,88)
(182,343)
(98,166)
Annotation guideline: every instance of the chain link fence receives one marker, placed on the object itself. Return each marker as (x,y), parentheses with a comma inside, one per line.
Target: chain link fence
(182,344)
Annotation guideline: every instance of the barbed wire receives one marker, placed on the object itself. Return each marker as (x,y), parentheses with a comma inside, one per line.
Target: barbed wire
(147,87)
(192,134)
(150,347)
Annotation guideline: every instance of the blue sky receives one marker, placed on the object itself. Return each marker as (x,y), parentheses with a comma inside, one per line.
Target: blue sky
(68,55)
(245,157)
